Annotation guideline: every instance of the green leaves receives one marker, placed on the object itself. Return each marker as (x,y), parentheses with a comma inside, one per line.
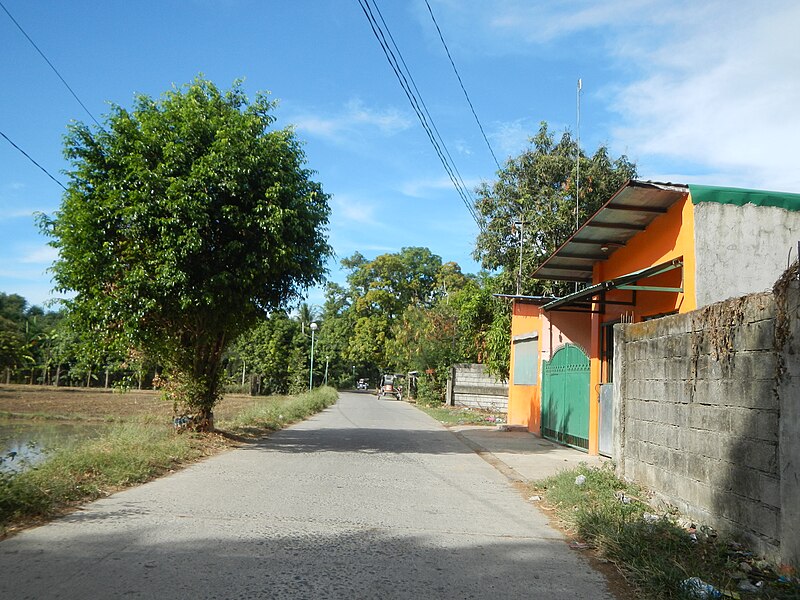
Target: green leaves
(187,218)
(538,187)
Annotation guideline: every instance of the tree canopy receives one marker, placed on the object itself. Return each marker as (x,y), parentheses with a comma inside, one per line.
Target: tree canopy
(185,221)
(537,188)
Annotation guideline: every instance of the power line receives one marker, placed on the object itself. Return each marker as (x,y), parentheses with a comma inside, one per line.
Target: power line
(417,104)
(416,100)
(463,89)
(28,156)
(466,196)
(64,81)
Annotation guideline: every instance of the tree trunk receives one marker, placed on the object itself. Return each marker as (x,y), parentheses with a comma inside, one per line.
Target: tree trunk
(106,384)
(8,375)
(140,380)
(89,378)
(58,374)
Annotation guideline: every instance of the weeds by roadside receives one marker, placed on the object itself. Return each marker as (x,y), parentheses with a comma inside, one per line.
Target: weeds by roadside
(275,412)
(133,452)
(657,552)
(462,416)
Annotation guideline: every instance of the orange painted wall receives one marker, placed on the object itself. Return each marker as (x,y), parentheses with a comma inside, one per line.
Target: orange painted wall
(523,400)
(668,237)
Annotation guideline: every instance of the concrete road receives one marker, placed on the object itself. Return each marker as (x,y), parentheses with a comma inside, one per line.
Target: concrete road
(369,499)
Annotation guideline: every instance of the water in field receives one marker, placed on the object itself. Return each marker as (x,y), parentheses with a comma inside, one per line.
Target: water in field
(25,443)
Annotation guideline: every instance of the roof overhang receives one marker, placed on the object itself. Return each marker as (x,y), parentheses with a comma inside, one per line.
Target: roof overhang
(635,205)
(583,298)
(537,300)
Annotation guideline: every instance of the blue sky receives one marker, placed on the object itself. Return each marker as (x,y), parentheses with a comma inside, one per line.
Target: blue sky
(701,92)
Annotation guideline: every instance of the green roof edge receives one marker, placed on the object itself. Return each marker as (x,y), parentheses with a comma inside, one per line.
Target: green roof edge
(740,197)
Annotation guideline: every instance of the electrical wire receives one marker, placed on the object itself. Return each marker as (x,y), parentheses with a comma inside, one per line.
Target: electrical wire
(415,98)
(461,83)
(415,101)
(457,175)
(28,156)
(64,81)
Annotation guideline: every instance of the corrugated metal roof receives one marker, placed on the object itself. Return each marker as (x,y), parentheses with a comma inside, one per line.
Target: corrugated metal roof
(586,294)
(628,212)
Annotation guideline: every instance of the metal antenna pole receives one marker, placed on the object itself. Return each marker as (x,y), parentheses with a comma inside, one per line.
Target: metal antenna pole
(519,275)
(578,159)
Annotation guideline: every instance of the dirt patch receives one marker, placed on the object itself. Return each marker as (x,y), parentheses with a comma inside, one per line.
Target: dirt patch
(99,404)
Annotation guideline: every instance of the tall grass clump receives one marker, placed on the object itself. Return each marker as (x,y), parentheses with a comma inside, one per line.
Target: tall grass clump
(126,454)
(271,413)
(656,551)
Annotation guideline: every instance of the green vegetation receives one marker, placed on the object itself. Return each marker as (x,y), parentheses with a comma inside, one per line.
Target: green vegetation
(186,221)
(656,552)
(537,188)
(462,416)
(273,413)
(133,452)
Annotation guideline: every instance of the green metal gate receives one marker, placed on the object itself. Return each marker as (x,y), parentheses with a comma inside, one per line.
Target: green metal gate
(565,397)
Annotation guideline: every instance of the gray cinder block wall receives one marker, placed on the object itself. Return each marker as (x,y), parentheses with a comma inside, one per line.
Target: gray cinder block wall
(708,415)
(470,385)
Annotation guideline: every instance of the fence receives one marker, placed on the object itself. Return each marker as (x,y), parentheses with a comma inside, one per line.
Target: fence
(470,385)
(707,414)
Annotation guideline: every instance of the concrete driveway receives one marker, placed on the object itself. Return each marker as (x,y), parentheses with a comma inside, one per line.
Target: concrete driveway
(369,499)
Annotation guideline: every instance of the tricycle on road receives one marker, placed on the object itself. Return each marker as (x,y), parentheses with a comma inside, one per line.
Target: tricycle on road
(390,386)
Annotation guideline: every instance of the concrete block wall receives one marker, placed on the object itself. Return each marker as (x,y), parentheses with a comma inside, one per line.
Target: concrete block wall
(699,416)
(471,386)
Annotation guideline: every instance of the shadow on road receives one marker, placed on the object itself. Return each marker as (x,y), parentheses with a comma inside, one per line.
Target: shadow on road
(257,559)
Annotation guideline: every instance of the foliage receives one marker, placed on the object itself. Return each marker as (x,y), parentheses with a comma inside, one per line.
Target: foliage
(25,331)
(276,412)
(275,350)
(185,221)
(655,552)
(538,188)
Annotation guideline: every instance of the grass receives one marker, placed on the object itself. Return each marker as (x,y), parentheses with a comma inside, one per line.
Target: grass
(462,416)
(134,452)
(655,552)
(275,412)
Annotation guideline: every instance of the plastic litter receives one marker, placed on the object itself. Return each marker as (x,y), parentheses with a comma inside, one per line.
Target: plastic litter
(650,518)
(580,480)
(579,545)
(535,498)
(746,586)
(697,588)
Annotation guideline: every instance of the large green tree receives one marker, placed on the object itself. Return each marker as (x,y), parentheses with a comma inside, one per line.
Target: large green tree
(538,189)
(187,218)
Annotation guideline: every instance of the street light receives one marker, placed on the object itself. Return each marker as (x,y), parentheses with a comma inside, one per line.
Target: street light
(311,370)
(326,370)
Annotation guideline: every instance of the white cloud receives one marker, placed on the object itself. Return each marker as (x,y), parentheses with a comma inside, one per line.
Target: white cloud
(425,188)
(40,255)
(725,96)
(709,85)
(355,117)
(511,137)
(353,210)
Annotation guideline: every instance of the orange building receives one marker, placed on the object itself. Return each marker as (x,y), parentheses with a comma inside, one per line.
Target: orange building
(652,250)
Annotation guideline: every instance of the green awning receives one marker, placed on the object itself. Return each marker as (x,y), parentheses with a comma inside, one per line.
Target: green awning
(740,197)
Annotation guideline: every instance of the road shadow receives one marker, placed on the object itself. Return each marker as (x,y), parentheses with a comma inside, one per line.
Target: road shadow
(238,558)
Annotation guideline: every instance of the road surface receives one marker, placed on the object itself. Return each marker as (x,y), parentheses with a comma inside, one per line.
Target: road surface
(369,499)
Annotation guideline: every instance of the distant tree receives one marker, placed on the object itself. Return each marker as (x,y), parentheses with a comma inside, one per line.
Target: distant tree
(12,344)
(537,188)
(185,221)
